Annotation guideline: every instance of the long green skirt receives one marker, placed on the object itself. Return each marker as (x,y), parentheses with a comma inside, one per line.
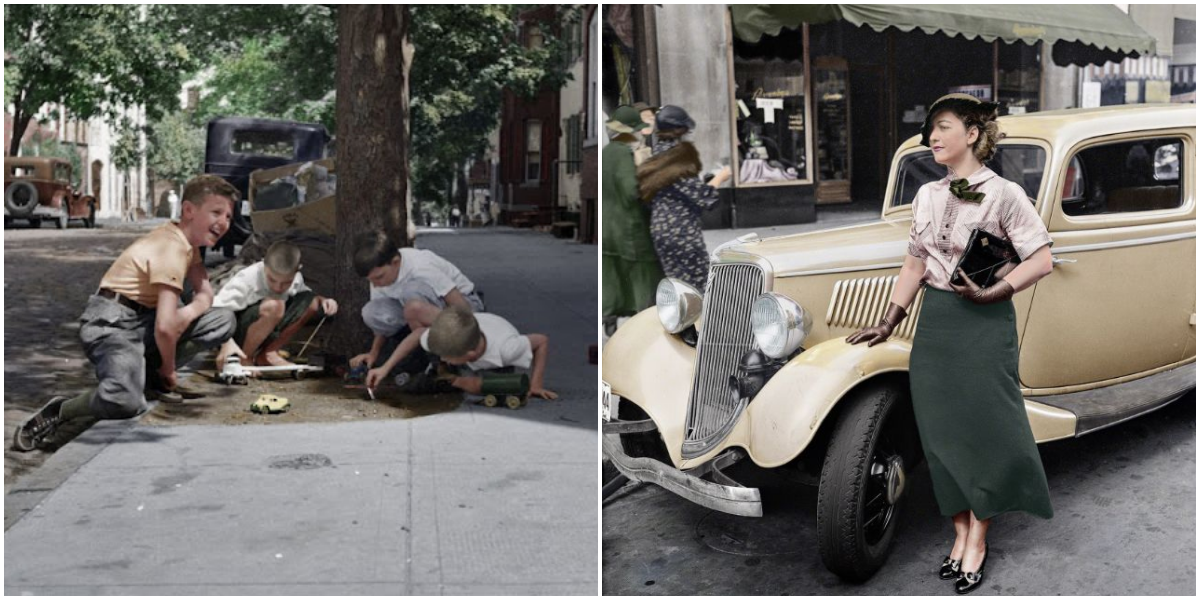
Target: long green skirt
(969,410)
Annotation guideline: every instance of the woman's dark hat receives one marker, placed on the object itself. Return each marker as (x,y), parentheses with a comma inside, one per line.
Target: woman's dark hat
(673,117)
(626,119)
(966,101)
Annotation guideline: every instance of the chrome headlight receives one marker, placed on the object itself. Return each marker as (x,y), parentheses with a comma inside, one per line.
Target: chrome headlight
(780,325)
(678,304)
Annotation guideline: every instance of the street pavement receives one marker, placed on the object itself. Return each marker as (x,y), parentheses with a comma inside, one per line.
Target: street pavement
(476,501)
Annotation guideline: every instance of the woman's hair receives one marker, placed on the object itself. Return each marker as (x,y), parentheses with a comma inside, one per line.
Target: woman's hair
(985,121)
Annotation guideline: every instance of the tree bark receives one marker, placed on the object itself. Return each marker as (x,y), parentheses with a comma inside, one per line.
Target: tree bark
(374,57)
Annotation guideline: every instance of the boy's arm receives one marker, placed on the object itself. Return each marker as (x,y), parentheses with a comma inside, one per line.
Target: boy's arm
(406,346)
(167,330)
(456,298)
(370,357)
(470,385)
(198,275)
(540,344)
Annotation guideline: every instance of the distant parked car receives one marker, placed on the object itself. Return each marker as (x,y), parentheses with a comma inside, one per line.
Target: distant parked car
(39,187)
(756,367)
(238,146)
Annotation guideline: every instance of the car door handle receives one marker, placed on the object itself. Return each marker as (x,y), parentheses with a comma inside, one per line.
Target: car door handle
(1057,261)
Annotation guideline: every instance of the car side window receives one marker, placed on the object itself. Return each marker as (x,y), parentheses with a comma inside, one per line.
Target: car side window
(1023,164)
(1127,176)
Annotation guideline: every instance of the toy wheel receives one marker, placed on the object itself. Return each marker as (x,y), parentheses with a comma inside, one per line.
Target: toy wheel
(490,401)
(514,402)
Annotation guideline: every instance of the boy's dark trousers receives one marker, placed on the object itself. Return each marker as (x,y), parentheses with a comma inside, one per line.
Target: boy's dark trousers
(119,341)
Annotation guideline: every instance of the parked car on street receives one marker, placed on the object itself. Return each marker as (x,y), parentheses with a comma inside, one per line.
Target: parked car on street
(238,146)
(39,188)
(757,367)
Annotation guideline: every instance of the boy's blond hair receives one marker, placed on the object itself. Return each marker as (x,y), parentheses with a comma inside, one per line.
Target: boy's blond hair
(454,332)
(202,186)
(282,258)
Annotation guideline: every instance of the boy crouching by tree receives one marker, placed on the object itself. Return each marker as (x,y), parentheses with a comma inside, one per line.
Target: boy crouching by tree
(135,330)
(271,304)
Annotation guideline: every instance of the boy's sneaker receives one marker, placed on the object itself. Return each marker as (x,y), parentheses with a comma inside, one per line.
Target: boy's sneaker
(39,425)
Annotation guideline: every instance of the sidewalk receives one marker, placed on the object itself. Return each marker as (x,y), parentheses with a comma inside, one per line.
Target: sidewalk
(475,501)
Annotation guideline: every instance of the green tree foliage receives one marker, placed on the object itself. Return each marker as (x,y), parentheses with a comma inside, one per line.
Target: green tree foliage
(95,60)
(176,147)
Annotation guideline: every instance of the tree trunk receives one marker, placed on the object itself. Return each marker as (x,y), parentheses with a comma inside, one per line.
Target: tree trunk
(374,56)
(20,126)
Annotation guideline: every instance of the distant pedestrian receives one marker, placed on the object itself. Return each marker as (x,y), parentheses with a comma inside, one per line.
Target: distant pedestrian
(670,181)
(455,217)
(629,264)
(173,202)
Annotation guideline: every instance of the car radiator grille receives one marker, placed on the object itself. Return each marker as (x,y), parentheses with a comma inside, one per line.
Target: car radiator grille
(725,336)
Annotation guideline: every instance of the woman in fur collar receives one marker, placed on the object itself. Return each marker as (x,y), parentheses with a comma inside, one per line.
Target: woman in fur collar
(670,181)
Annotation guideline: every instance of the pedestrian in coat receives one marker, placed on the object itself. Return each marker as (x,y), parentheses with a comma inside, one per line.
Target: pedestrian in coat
(966,395)
(670,181)
(630,266)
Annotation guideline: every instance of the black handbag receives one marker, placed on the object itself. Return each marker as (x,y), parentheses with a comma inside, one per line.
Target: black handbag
(984,256)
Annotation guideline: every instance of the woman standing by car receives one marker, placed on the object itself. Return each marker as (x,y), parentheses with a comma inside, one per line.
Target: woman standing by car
(629,265)
(670,180)
(966,395)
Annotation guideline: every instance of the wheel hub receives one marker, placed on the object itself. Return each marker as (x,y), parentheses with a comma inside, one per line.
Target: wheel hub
(895,479)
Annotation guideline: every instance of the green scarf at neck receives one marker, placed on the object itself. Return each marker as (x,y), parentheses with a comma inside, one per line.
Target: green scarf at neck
(958,187)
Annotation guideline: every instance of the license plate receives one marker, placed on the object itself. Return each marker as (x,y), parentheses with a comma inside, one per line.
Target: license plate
(608,404)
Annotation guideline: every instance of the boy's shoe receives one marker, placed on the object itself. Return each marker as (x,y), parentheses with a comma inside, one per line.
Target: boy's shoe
(39,425)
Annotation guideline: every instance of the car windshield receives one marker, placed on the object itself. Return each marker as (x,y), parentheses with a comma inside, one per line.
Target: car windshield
(1024,164)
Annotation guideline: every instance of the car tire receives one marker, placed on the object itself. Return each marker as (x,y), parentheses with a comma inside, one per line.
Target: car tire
(875,426)
(20,198)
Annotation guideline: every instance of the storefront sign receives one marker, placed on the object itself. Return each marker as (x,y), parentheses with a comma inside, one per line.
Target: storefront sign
(768,106)
(1090,98)
(983,92)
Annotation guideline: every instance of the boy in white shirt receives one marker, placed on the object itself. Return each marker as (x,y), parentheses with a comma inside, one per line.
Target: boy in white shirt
(481,342)
(409,287)
(271,303)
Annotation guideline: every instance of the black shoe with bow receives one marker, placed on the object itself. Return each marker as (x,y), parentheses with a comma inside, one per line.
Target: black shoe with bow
(951,568)
(969,581)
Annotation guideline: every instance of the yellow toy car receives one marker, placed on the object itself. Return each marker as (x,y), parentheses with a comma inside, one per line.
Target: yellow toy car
(269,404)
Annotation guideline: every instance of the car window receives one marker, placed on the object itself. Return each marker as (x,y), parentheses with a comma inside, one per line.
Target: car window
(22,172)
(1022,163)
(263,143)
(62,173)
(1121,177)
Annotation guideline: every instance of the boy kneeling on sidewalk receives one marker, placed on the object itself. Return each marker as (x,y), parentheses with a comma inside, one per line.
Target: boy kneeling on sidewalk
(481,342)
(135,330)
(271,303)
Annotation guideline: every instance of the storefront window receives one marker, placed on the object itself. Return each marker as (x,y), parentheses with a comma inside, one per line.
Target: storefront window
(1019,77)
(769,98)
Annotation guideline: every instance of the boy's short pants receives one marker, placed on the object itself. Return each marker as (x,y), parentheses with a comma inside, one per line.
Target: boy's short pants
(292,311)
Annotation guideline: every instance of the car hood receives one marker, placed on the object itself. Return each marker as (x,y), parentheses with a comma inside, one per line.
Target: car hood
(863,246)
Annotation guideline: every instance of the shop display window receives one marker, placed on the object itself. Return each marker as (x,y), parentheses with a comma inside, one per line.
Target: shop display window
(770,103)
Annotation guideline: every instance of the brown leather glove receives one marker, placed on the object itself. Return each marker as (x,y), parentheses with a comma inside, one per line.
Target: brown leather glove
(880,333)
(997,292)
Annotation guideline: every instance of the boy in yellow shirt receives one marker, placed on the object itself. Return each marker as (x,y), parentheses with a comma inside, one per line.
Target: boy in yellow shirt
(135,330)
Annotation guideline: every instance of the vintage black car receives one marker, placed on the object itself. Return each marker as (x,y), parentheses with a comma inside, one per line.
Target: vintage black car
(237,146)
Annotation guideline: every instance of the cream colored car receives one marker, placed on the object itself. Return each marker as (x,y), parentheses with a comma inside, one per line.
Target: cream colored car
(758,367)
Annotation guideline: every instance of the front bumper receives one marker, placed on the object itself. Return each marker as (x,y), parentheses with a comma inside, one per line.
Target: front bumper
(722,494)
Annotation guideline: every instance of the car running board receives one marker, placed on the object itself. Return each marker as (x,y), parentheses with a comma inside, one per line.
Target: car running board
(1104,407)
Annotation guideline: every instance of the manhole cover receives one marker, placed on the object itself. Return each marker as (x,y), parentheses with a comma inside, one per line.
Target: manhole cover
(299,461)
(743,536)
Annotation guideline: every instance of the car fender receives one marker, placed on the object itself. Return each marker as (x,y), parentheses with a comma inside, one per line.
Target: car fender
(653,369)
(786,414)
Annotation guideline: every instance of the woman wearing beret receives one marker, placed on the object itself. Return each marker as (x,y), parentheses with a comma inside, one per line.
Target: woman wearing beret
(630,267)
(670,180)
(966,395)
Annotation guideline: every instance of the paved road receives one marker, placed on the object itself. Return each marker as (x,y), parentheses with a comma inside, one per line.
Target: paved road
(469,502)
(1124,524)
